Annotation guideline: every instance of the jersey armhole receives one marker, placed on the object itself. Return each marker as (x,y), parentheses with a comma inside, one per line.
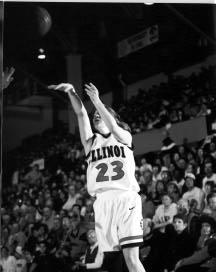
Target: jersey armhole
(130,147)
(92,141)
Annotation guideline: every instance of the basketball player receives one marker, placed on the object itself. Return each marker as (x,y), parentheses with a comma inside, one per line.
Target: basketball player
(110,176)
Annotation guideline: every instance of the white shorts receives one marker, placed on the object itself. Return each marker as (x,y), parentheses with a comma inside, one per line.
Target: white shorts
(118,220)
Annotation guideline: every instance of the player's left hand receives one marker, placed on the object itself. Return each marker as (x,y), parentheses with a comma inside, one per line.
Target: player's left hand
(92,92)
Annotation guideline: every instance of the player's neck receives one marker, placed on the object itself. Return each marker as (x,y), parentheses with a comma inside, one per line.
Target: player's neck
(103,130)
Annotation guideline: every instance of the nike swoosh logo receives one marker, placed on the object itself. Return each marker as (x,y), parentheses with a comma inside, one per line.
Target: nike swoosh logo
(132,208)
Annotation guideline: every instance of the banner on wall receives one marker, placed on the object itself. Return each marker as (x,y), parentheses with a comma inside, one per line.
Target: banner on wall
(138,41)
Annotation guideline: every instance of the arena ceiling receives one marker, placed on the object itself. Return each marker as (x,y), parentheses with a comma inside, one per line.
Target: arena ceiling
(93,30)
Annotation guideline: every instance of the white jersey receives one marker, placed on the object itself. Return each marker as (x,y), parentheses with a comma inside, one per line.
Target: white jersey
(111,165)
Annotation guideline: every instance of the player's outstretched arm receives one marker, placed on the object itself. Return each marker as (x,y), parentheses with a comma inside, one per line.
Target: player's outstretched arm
(121,134)
(83,120)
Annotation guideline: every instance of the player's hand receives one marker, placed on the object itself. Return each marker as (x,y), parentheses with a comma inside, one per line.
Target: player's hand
(7,77)
(92,92)
(63,87)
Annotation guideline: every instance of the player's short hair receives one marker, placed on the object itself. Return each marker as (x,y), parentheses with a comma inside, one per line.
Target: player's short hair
(118,119)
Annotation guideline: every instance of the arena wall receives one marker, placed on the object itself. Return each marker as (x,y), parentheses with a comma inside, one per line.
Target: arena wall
(194,130)
(22,121)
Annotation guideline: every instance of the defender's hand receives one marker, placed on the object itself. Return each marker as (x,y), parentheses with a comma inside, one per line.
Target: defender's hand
(7,77)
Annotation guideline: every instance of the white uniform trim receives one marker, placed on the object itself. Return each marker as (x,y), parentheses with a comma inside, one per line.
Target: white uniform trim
(131,240)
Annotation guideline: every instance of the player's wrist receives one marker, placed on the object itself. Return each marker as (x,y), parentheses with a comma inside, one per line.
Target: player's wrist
(71,90)
(97,102)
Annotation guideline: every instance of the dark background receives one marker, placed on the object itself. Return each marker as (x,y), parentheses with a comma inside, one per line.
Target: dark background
(186,33)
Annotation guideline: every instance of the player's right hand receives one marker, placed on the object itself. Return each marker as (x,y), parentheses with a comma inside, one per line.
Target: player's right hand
(64,87)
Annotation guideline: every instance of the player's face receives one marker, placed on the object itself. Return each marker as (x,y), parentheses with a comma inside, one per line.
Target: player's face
(97,121)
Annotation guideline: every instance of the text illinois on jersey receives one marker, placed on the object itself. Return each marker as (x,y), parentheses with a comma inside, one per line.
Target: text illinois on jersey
(106,152)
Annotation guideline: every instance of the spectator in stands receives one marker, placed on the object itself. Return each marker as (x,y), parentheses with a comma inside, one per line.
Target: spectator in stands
(148,207)
(173,191)
(33,176)
(61,198)
(155,259)
(203,260)
(93,258)
(200,157)
(20,236)
(145,165)
(181,164)
(211,208)
(43,231)
(56,233)
(165,175)
(176,157)
(15,238)
(33,237)
(72,197)
(156,169)
(30,260)
(76,238)
(208,188)
(20,260)
(164,213)
(48,217)
(209,174)
(42,258)
(6,219)
(7,261)
(160,189)
(179,243)
(88,213)
(193,192)
(149,182)
(208,227)
(212,149)
(5,231)
(182,206)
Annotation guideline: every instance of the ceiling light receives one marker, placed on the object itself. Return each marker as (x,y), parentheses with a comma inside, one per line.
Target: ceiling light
(41,54)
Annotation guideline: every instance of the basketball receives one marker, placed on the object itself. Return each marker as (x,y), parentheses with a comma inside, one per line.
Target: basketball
(43,21)
(32,23)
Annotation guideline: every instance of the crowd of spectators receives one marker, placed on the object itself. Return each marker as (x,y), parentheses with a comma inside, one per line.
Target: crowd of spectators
(180,98)
(47,212)
(178,190)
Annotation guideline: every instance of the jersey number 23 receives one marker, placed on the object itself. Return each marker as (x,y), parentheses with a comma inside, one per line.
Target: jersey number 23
(117,171)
